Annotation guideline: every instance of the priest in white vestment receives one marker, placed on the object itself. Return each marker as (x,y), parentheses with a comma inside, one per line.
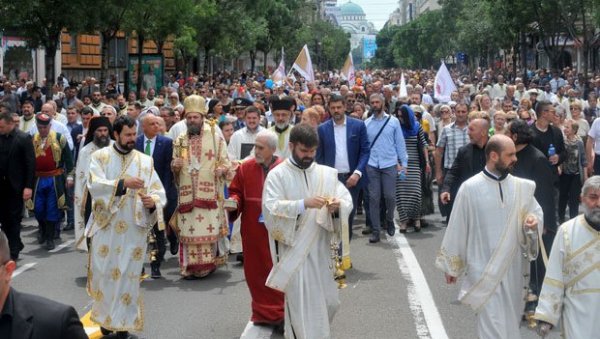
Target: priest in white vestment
(97,137)
(299,198)
(127,200)
(571,290)
(492,236)
(282,111)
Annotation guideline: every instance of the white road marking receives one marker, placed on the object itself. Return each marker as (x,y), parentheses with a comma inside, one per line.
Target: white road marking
(256,332)
(427,317)
(22,269)
(61,246)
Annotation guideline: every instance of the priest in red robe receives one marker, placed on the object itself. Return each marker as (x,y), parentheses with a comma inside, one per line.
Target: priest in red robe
(246,189)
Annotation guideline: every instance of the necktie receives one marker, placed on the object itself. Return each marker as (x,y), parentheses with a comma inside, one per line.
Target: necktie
(148,150)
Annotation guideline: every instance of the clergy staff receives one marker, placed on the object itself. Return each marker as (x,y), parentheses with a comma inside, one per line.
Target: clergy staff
(492,236)
(298,200)
(571,290)
(246,189)
(127,200)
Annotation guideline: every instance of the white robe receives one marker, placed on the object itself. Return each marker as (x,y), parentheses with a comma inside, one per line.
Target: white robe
(302,257)
(119,227)
(571,291)
(283,148)
(240,139)
(486,245)
(81,192)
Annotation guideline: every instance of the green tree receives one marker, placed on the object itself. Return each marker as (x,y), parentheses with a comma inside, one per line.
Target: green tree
(41,22)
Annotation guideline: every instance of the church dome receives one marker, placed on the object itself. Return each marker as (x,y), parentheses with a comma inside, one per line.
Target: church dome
(351,9)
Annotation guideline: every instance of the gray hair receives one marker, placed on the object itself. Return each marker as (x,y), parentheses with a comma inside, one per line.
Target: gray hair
(377,96)
(593,183)
(270,137)
(111,108)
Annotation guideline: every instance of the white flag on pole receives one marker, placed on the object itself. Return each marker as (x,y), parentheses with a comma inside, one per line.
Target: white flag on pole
(348,70)
(279,74)
(303,64)
(443,85)
(403,92)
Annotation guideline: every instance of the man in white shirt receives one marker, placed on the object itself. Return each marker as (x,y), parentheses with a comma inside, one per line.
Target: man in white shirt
(241,143)
(55,125)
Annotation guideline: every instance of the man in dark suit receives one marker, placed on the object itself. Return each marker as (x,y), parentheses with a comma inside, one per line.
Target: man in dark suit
(343,145)
(17,169)
(469,161)
(161,149)
(76,130)
(26,316)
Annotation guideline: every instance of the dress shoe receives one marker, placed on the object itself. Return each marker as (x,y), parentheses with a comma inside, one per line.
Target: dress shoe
(155,271)
(367,230)
(174,246)
(105,331)
(50,244)
(374,238)
(240,257)
(391,228)
(125,335)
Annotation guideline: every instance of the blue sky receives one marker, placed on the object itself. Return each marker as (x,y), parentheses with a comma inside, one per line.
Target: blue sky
(378,11)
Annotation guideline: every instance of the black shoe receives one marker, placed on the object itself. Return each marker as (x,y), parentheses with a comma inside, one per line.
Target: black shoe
(391,229)
(174,246)
(69,227)
(104,331)
(125,335)
(367,230)
(374,238)
(40,238)
(240,257)
(155,271)
(57,236)
(50,244)
(359,211)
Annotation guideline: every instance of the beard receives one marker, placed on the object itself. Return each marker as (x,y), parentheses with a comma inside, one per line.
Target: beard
(303,163)
(193,129)
(127,147)
(281,126)
(591,214)
(101,141)
(504,169)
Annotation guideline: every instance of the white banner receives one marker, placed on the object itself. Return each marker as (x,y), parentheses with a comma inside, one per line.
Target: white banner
(443,86)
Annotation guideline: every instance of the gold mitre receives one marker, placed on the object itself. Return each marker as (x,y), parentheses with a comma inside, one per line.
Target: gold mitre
(195,103)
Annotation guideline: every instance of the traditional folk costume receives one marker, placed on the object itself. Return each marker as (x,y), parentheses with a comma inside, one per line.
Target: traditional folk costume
(246,189)
(82,206)
(304,242)
(200,220)
(119,227)
(571,290)
(485,242)
(53,162)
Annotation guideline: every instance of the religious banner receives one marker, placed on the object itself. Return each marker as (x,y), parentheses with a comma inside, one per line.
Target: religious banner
(152,71)
(279,74)
(403,92)
(348,70)
(443,85)
(303,64)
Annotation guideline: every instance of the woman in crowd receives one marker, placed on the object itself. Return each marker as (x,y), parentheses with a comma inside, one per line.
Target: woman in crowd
(409,182)
(572,172)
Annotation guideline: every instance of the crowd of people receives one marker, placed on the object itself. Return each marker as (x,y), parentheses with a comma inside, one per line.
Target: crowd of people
(235,164)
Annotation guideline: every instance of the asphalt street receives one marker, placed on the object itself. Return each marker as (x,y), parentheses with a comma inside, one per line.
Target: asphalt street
(394,291)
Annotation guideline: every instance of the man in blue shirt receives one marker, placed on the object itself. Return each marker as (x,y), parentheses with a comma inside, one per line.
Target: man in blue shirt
(387,159)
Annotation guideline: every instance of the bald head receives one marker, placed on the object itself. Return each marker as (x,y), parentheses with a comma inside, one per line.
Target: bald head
(150,125)
(500,154)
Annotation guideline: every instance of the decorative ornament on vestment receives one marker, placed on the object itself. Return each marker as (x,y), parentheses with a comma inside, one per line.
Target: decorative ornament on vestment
(121,227)
(103,251)
(138,254)
(126,299)
(454,262)
(115,274)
